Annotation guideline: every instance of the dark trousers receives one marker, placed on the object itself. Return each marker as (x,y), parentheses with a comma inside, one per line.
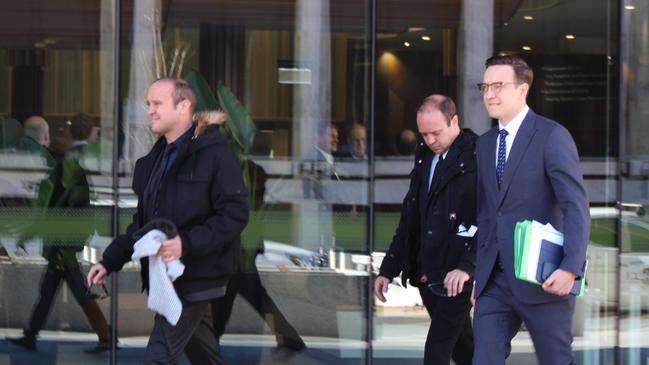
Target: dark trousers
(498,317)
(249,286)
(70,272)
(450,334)
(193,334)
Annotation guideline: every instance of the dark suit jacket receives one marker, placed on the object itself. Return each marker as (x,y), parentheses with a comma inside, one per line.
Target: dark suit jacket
(542,181)
(426,240)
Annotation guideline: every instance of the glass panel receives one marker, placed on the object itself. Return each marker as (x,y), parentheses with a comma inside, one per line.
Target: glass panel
(300,70)
(634,236)
(440,47)
(56,128)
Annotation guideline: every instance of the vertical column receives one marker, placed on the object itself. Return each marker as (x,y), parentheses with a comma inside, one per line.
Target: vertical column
(107,81)
(475,46)
(144,68)
(311,115)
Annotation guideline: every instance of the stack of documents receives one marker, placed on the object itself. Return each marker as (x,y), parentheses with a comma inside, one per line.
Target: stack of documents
(538,252)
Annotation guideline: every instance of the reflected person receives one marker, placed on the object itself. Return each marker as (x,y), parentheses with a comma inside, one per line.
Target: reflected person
(356,148)
(406,142)
(65,192)
(431,247)
(247,283)
(36,140)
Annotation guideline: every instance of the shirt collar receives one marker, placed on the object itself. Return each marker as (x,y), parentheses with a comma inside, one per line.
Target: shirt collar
(327,156)
(513,126)
(179,141)
(79,143)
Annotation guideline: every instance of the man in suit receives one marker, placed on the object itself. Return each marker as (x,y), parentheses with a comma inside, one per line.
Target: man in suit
(426,247)
(192,178)
(528,168)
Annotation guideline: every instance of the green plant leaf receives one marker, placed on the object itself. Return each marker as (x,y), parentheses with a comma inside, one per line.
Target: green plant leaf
(205,99)
(239,121)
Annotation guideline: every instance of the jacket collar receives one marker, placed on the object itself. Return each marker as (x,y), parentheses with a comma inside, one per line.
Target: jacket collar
(521,142)
(455,159)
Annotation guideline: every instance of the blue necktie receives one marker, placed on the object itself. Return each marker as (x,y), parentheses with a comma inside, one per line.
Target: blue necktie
(502,156)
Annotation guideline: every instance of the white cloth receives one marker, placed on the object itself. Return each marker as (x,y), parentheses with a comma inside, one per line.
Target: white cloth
(162,295)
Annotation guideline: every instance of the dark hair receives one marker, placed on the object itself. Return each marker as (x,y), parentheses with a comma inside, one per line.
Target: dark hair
(522,70)
(439,102)
(182,90)
(81,126)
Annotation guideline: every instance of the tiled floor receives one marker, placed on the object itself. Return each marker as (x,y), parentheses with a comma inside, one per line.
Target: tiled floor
(52,352)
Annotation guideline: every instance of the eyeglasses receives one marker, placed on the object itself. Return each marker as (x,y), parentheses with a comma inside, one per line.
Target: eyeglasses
(496,87)
(439,290)
(97,294)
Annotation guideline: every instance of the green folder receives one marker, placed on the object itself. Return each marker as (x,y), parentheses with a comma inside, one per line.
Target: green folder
(538,250)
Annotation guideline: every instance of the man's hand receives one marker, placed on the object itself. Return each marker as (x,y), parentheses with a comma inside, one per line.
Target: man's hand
(96,275)
(380,287)
(171,249)
(560,282)
(454,282)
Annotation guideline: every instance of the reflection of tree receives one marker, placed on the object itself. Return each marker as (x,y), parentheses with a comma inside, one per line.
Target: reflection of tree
(148,62)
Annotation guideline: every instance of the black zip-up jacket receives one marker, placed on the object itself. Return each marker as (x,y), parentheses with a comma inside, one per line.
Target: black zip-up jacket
(204,195)
(426,241)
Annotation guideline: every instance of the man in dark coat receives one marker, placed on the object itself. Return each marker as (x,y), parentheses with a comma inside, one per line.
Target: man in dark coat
(64,192)
(192,178)
(433,244)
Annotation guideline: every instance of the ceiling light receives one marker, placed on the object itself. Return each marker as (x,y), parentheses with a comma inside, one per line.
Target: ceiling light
(629,7)
(425,37)
(407,44)
(528,17)
(570,36)
(526,48)
(416,29)
(386,35)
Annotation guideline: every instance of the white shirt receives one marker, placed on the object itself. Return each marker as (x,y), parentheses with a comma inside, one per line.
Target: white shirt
(432,167)
(511,128)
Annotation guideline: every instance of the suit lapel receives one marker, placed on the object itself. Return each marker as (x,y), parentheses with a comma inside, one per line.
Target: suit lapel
(423,187)
(490,173)
(521,142)
(444,170)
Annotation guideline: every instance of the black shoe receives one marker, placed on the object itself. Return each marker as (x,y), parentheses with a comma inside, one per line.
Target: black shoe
(26,342)
(98,348)
(284,353)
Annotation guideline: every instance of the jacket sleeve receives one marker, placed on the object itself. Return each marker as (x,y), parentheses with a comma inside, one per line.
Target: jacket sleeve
(391,265)
(230,205)
(562,167)
(120,250)
(468,202)
(393,262)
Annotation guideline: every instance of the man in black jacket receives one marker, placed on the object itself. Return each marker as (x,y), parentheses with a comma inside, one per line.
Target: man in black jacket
(433,244)
(192,178)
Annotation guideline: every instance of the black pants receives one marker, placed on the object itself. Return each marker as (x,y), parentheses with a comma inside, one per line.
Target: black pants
(450,334)
(193,334)
(251,289)
(62,265)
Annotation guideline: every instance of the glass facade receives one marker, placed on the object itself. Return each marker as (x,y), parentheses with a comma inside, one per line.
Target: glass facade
(332,88)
